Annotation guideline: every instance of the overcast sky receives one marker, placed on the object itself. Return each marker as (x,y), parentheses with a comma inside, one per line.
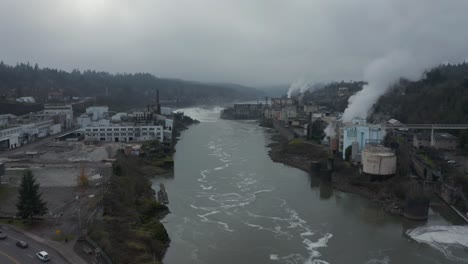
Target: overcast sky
(253,42)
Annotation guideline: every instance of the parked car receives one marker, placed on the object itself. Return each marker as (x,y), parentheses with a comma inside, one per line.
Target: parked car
(2,236)
(44,256)
(451,162)
(22,244)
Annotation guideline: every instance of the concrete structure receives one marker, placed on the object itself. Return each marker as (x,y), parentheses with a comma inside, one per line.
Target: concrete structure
(378,161)
(124,133)
(444,141)
(57,110)
(97,112)
(362,133)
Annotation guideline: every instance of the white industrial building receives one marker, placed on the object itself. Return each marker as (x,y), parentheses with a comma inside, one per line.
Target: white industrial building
(125,133)
(360,133)
(17,135)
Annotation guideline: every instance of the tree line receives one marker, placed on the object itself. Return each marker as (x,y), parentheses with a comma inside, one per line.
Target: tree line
(122,88)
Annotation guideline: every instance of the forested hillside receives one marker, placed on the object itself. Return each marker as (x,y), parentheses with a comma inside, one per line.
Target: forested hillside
(441,96)
(129,89)
(331,97)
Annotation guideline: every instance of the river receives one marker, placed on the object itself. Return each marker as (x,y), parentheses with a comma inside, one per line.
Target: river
(231,204)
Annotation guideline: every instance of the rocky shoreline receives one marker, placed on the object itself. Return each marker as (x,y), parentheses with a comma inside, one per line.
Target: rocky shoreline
(346,178)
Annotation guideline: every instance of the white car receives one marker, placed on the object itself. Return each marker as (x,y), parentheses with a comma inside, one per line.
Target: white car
(451,162)
(44,256)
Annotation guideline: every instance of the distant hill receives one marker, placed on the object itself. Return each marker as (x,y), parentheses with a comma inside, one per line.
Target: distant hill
(274,90)
(440,96)
(114,89)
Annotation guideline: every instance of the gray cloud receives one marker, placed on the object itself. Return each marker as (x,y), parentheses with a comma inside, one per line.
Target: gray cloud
(251,42)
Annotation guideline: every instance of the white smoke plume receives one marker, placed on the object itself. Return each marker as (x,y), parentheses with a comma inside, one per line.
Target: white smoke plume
(330,130)
(380,74)
(297,87)
(301,86)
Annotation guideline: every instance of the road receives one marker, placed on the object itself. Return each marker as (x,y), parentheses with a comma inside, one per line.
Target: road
(11,254)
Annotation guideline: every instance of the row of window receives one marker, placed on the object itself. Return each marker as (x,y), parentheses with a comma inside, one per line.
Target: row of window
(123,129)
(122,134)
(10,132)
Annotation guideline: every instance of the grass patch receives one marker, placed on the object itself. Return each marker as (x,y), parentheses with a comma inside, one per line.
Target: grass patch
(20,223)
(296,141)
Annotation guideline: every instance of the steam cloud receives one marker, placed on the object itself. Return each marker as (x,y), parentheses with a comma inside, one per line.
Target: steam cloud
(301,86)
(298,87)
(380,74)
(330,130)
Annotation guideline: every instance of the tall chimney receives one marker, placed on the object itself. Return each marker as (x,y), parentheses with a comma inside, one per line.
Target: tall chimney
(158,105)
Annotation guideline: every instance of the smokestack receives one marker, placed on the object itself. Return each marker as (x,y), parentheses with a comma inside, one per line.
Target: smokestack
(158,105)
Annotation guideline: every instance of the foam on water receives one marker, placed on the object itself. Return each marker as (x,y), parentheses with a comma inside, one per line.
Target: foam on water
(452,241)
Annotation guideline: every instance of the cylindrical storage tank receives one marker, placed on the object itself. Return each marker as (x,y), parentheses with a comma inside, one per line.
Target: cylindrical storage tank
(378,160)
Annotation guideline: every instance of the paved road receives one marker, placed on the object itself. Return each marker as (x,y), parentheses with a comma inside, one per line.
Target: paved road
(11,254)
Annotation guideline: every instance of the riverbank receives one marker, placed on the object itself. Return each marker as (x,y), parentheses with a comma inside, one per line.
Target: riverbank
(128,226)
(299,153)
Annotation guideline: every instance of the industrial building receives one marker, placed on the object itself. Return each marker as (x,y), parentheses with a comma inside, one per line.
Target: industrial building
(98,125)
(16,135)
(243,111)
(125,133)
(360,133)
(443,141)
(60,110)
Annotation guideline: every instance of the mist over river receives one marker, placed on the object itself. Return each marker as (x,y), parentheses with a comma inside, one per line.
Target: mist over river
(231,204)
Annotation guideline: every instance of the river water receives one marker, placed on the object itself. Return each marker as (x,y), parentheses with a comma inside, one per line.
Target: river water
(231,204)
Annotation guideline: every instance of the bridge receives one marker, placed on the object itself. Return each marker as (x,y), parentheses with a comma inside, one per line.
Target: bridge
(427,126)
(432,127)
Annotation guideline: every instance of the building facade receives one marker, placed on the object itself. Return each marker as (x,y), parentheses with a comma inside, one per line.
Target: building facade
(57,110)
(123,133)
(441,141)
(362,134)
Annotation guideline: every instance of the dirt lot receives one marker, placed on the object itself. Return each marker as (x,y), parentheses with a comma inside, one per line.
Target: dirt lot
(56,167)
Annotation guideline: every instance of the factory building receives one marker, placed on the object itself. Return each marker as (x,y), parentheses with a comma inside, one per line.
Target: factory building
(443,141)
(60,110)
(125,133)
(362,134)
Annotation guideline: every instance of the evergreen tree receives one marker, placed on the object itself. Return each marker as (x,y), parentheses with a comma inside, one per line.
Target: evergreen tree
(29,200)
